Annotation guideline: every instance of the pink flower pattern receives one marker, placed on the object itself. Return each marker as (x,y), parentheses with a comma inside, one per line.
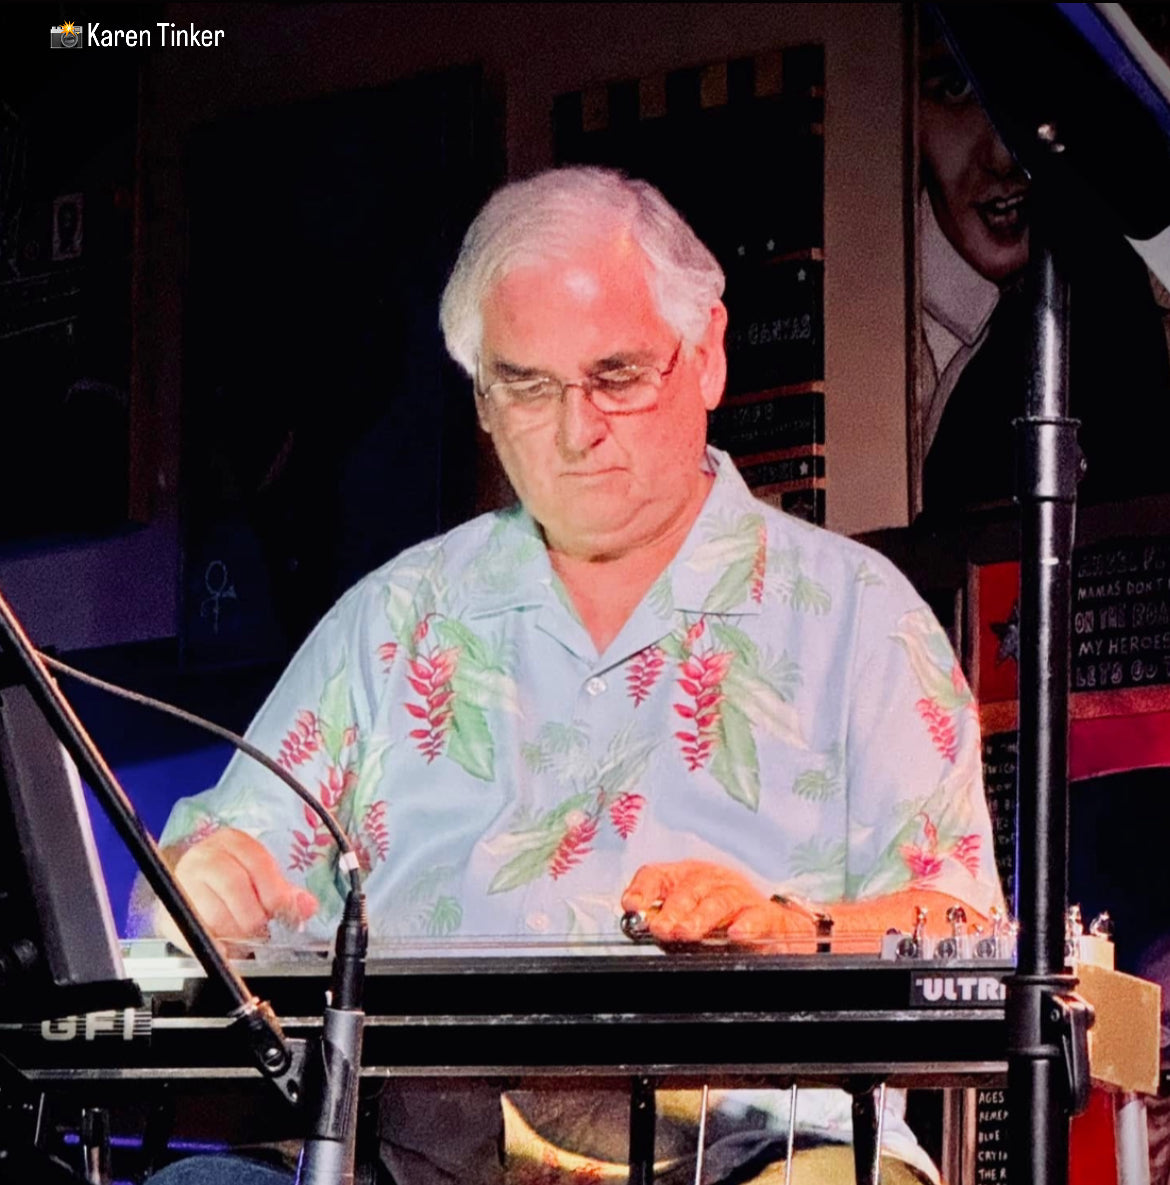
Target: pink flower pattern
(574,846)
(645,668)
(431,679)
(302,741)
(205,827)
(942,728)
(624,813)
(759,565)
(966,851)
(925,861)
(307,848)
(715,677)
(701,678)
(375,828)
(550,1172)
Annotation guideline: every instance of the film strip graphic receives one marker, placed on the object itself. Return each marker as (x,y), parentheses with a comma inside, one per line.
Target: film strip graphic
(738,147)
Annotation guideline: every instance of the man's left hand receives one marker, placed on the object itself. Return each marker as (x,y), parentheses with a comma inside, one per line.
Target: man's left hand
(701,900)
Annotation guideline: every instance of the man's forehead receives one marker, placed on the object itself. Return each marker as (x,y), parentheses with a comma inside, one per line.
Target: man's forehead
(582,283)
(606,257)
(594,305)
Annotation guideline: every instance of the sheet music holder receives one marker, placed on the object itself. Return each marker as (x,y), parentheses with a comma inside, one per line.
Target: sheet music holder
(59,951)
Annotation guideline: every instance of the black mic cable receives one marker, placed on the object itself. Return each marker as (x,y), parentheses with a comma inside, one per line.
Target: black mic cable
(349,859)
(333,1069)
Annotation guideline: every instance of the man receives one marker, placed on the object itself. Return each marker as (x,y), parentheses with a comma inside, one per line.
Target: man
(972,223)
(975,215)
(640,689)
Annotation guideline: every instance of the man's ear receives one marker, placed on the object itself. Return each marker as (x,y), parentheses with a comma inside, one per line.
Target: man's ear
(481,412)
(711,358)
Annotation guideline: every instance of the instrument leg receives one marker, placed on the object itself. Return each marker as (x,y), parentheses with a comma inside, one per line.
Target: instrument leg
(1132,1136)
(160,1126)
(868,1109)
(957,1162)
(642,1120)
(791,1136)
(40,1123)
(702,1134)
(95,1145)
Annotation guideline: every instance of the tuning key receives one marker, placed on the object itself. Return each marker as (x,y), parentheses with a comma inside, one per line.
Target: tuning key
(1009,939)
(1074,931)
(985,945)
(907,948)
(913,945)
(920,915)
(954,947)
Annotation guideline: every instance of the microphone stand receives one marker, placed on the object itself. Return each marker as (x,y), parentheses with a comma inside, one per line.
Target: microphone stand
(1047,1025)
(331,1089)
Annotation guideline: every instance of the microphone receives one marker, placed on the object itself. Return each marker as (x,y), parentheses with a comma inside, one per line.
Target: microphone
(334,1072)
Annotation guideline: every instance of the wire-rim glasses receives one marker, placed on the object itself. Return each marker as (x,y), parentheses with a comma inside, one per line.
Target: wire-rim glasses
(616,391)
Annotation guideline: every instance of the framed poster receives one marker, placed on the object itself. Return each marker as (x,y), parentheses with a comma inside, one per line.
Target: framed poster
(974,217)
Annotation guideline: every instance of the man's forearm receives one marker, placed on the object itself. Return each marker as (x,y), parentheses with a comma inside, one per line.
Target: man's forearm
(897,911)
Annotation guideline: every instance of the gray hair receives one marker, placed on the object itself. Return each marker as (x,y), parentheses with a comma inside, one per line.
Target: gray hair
(553,213)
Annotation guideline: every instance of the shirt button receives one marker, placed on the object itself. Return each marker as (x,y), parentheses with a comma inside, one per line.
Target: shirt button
(596,685)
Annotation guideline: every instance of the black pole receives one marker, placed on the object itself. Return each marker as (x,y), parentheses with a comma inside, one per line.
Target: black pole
(1041,1099)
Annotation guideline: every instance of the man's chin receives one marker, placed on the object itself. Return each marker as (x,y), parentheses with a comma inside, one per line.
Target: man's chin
(596,540)
(998,257)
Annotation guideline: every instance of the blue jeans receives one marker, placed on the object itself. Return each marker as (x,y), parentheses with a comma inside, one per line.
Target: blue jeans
(218,1170)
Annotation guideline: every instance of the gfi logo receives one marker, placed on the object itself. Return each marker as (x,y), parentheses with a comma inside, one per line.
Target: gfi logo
(66,36)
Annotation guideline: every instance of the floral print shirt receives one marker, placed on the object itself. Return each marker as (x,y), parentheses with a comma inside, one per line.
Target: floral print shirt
(781,702)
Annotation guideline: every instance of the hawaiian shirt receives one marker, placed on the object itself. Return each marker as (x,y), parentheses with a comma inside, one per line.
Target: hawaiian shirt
(781,702)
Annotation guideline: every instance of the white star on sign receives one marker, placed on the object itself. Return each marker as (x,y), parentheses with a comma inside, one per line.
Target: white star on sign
(804,469)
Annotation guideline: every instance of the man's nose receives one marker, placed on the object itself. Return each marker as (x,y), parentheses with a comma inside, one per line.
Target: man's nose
(580,425)
(995,157)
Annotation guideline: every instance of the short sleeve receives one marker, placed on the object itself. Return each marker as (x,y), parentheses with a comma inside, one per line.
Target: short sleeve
(318,723)
(917,812)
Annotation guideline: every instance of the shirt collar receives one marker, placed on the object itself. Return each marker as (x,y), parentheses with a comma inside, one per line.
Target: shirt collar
(511,570)
(953,292)
(720,567)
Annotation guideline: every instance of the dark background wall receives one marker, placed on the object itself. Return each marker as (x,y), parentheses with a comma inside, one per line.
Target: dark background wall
(274,57)
(295,196)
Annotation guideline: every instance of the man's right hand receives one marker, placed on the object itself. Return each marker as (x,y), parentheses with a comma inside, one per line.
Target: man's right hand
(238,888)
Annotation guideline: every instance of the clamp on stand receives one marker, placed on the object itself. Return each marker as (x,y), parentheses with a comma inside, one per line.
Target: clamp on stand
(1048,1022)
(1072,1018)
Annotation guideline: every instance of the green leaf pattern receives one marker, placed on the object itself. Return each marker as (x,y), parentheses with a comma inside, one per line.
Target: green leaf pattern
(553,841)
(824,783)
(791,585)
(729,700)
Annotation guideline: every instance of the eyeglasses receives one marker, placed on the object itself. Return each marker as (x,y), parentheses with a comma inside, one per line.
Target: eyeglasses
(623,390)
